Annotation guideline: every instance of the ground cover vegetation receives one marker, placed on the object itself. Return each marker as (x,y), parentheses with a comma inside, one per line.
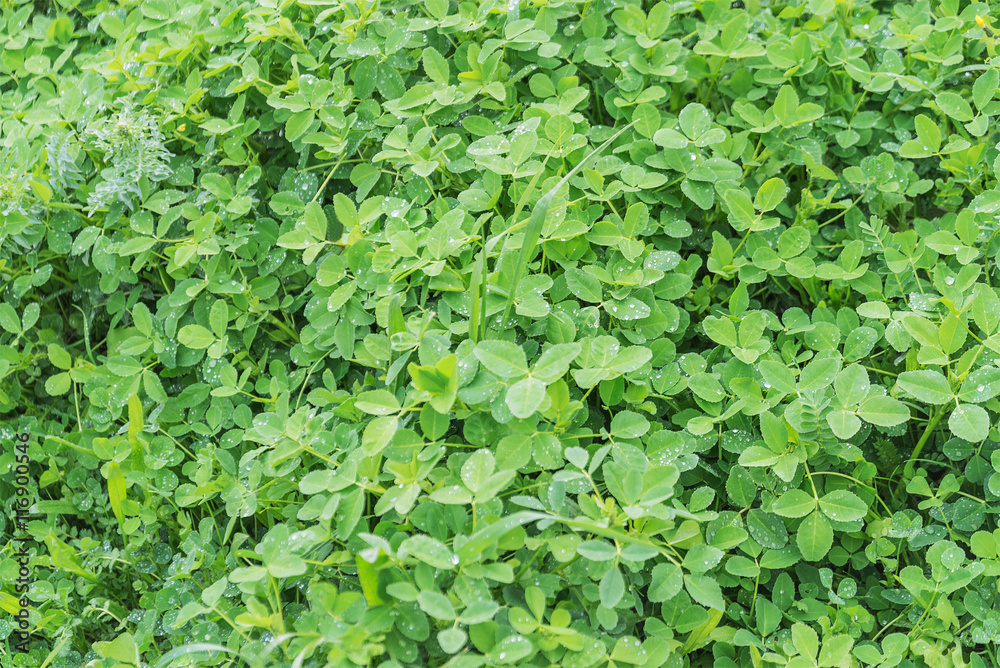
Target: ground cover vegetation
(487,333)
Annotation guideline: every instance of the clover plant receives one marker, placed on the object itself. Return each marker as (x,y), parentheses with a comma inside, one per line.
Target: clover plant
(473,333)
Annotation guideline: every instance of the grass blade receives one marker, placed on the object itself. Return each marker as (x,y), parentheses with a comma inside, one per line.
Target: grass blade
(194,648)
(397,325)
(537,221)
(475,300)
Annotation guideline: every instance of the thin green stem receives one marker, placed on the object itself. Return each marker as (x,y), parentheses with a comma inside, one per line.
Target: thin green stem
(908,467)
(283,327)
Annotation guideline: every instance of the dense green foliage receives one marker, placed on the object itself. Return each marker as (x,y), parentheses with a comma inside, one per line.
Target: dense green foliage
(486,333)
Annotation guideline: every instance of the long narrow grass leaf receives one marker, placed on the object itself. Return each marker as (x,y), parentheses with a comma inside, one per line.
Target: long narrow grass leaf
(476,303)
(536,222)
(397,325)
(194,648)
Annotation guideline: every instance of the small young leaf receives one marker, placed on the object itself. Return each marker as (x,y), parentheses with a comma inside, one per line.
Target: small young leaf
(377,402)
(612,587)
(927,385)
(884,411)
(195,336)
(814,537)
(842,506)
(954,105)
(503,358)
(970,422)
(794,503)
(805,641)
(770,194)
(554,362)
(705,591)
(525,396)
